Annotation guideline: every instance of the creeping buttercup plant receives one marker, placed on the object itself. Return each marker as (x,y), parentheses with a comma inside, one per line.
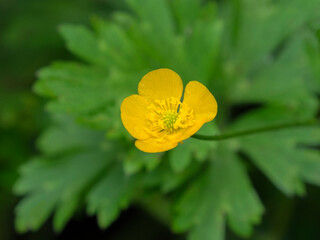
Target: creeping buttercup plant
(246,52)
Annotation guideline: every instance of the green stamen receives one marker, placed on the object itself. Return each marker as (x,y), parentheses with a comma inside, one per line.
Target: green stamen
(169,118)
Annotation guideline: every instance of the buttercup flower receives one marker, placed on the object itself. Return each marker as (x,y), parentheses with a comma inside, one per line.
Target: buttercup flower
(158,118)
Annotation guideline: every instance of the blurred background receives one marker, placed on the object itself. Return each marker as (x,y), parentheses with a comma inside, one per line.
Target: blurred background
(29,40)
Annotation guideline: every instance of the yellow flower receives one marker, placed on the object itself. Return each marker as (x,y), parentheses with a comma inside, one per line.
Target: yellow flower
(157,117)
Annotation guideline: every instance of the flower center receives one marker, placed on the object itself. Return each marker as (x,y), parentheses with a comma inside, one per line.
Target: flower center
(166,117)
(169,118)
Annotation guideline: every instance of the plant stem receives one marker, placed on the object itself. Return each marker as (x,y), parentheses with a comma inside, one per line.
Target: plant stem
(256,130)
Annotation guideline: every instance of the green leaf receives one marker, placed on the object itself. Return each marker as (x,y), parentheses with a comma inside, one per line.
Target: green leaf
(167,180)
(181,156)
(154,32)
(203,206)
(64,212)
(89,93)
(83,43)
(33,211)
(156,16)
(65,135)
(69,81)
(79,90)
(186,12)
(277,153)
(200,50)
(111,194)
(50,184)
(265,24)
(136,160)
(288,75)
(116,44)
(309,161)
(57,181)
(313,51)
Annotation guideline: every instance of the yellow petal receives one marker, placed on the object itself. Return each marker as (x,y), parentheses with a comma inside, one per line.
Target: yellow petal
(133,116)
(200,99)
(204,106)
(151,146)
(161,84)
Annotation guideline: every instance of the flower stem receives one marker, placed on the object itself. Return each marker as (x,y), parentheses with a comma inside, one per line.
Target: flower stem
(312,122)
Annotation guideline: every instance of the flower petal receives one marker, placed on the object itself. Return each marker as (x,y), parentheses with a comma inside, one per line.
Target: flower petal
(161,84)
(152,146)
(200,99)
(133,116)
(204,106)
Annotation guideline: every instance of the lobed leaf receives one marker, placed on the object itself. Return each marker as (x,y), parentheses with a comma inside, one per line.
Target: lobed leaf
(51,184)
(202,208)
(57,181)
(111,194)
(266,24)
(83,43)
(279,153)
(181,156)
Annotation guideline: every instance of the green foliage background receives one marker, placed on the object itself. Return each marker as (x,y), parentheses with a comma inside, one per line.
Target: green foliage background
(263,54)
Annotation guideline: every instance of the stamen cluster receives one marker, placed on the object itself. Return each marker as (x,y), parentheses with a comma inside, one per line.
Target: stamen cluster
(167,117)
